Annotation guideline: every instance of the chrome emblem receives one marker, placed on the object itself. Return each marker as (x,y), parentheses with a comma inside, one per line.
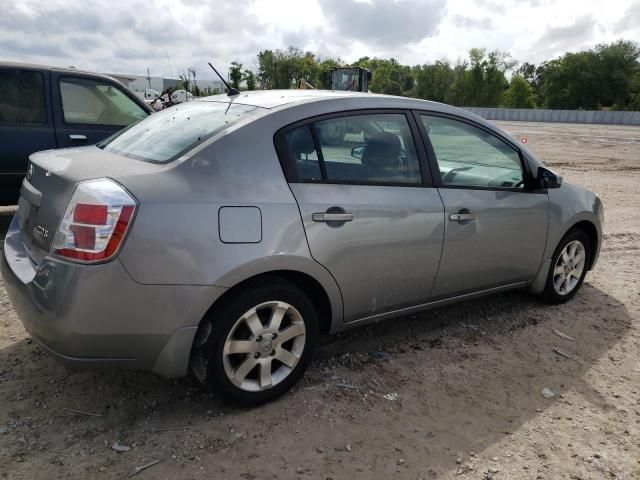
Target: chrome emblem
(43,232)
(30,172)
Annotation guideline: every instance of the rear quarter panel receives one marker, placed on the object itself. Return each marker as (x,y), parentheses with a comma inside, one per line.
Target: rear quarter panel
(175,238)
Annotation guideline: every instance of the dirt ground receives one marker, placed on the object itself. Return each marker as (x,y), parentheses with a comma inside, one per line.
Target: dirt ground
(468,380)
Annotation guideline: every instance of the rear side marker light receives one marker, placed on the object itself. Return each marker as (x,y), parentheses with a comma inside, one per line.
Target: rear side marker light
(95,222)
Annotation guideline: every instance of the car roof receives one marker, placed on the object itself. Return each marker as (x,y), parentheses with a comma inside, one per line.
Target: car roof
(278,98)
(282,99)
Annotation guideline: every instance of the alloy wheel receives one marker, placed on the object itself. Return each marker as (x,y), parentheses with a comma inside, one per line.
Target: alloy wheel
(569,267)
(264,346)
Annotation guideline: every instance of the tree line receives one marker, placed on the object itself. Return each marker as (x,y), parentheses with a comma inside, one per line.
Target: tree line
(606,76)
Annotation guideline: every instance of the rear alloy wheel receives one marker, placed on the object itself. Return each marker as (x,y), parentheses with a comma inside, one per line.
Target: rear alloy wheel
(258,343)
(264,346)
(568,267)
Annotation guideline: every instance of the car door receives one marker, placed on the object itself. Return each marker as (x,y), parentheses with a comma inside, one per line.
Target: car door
(496,225)
(89,109)
(26,125)
(370,215)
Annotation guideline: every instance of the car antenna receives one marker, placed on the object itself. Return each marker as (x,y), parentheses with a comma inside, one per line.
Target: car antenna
(230,90)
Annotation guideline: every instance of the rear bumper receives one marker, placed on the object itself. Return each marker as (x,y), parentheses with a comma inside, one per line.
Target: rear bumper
(96,315)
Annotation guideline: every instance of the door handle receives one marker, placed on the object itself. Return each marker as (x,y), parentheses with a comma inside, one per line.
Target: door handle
(78,138)
(462,217)
(332,217)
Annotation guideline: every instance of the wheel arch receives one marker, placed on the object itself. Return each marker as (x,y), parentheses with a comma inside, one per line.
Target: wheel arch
(591,231)
(307,283)
(585,224)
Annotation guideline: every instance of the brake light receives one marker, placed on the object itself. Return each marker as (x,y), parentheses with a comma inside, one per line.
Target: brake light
(95,222)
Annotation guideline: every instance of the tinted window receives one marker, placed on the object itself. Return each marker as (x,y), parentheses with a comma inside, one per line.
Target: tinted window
(22,97)
(375,148)
(469,156)
(171,132)
(97,103)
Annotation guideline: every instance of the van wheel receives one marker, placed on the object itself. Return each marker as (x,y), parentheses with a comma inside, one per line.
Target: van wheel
(569,266)
(258,343)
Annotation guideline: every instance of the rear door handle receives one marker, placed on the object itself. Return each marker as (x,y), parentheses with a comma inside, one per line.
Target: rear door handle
(332,217)
(78,138)
(462,217)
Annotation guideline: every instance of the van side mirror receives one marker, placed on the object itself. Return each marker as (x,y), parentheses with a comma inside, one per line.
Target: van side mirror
(547,179)
(358,152)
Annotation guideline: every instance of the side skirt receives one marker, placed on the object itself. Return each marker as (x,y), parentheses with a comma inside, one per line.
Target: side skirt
(430,305)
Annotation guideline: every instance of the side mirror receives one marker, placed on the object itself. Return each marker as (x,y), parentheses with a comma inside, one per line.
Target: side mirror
(547,179)
(357,152)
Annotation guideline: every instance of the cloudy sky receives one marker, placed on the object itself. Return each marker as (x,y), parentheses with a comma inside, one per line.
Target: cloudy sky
(127,36)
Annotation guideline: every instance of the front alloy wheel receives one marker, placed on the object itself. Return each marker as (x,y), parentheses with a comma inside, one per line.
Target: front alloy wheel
(569,266)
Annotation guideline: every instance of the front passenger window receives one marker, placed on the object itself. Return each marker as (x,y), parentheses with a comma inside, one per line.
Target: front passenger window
(471,157)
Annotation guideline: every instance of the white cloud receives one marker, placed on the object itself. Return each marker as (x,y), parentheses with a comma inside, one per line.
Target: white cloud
(171,35)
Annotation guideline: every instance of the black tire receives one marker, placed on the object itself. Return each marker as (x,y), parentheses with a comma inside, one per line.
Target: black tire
(550,294)
(207,359)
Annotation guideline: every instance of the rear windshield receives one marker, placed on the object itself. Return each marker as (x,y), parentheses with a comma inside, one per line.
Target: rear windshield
(164,136)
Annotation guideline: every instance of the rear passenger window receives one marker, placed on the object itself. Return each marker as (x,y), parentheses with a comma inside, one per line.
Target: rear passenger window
(22,97)
(369,148)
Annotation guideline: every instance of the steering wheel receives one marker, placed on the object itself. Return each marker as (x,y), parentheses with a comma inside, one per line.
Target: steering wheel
(449,176)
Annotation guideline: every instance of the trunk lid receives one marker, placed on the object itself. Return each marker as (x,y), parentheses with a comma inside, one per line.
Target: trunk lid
(51,179)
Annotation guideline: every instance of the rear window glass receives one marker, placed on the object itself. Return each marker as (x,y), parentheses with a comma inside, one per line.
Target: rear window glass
(165,135)
(22,97)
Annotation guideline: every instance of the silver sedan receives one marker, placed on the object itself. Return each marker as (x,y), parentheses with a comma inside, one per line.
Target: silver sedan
(224,235)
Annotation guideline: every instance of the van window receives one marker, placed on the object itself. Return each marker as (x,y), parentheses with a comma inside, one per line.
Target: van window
(22,97)
(91,102)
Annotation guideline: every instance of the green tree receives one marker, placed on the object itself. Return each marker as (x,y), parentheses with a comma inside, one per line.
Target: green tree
(393,88)
(266,69)
(434,82)
(497,64)
(235,74)
(617,63)
(519,94)
(571,81)
(474,87)
(250,79)
(606,75)
(457,92)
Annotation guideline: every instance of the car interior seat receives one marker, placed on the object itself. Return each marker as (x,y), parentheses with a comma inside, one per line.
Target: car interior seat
(382,155)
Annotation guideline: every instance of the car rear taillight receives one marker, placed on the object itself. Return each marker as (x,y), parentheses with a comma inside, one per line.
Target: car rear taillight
(95,222)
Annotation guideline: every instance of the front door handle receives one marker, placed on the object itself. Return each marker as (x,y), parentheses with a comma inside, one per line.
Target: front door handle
(332,217)
(78,138)
(462,217)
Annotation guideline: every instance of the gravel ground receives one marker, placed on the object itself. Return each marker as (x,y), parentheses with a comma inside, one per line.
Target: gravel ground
(451,393)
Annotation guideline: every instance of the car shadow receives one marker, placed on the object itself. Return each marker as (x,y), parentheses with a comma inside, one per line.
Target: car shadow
(465,377)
